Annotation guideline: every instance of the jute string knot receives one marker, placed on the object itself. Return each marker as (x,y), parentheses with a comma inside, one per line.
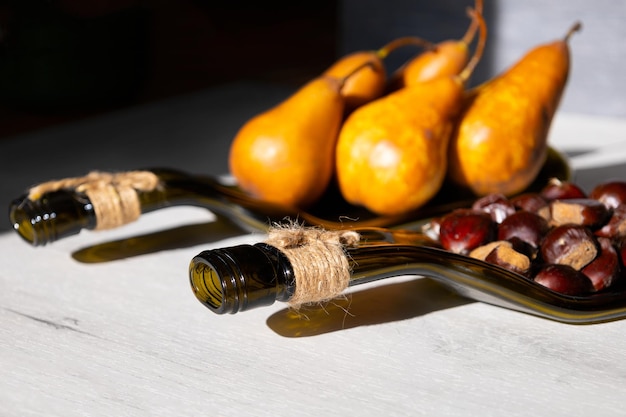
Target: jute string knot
(320,264)
(113,195)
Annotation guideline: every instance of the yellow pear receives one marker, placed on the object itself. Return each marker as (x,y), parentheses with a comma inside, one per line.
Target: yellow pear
(392,152)
(444,59)
(370,81)
(500,142)
(285,155)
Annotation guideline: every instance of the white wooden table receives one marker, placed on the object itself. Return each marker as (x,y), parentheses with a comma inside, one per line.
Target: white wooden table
(128,338)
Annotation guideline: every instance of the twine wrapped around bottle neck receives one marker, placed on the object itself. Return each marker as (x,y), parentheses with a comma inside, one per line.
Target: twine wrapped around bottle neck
(320,264)
(113,195)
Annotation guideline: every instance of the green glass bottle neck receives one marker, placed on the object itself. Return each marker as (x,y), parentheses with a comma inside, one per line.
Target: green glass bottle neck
(59,213)
(53,216)
(239,278)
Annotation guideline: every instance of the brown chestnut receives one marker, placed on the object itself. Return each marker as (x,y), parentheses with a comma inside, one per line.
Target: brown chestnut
(462,230)
(532,202)
(569,244)
(604,270)
(496,205)
(584,211)
(561,238)
(564,279)
(508,258)
(616,226)
(482,251)
(524,247)
(610,193)
(559,189)
(528,227)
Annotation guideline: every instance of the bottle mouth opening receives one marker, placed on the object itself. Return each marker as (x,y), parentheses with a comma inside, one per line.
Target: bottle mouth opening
(27,224)
(238,278)
(207,285)
(51,217)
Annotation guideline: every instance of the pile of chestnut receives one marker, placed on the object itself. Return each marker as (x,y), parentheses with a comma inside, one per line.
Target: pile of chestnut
(561,237)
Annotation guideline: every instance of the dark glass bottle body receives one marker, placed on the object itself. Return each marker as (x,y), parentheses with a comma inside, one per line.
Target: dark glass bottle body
(65,212)
(240,278)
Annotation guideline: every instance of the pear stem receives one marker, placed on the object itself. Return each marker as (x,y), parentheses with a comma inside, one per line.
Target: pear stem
(473,28)
(404,41)
(480,47)
(575,28)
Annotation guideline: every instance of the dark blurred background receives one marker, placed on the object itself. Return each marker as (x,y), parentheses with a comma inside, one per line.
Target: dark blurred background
(65,59)
(62,60)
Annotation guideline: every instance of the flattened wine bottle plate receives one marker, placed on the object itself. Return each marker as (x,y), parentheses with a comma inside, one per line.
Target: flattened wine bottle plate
(472,278)
(332,211)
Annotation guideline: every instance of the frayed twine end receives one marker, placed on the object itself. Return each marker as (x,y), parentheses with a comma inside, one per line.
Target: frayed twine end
(319,261)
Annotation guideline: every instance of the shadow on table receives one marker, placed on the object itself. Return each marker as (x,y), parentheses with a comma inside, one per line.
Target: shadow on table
(162,240)
(381,304)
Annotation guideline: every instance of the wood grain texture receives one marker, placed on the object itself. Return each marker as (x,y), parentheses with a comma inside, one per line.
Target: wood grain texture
(127,337)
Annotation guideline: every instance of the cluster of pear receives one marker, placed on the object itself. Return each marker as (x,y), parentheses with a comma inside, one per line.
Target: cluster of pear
(389,142)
